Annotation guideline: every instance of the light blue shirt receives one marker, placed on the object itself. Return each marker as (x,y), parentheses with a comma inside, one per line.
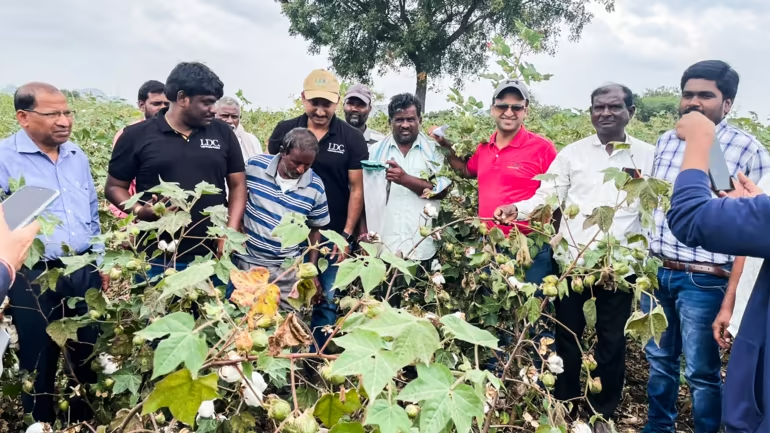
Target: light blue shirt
(404,212)
(77,206)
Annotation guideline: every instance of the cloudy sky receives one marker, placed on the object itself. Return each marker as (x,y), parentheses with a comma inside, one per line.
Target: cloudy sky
(644,43)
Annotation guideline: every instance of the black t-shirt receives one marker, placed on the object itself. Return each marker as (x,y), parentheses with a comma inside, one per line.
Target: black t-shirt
(341,149)
(151,150)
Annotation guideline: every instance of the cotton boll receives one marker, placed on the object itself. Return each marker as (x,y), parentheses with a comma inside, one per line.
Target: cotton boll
(253,390)
(435,266)
(107,363)
(229,374)
(555,364)
(39,427)
(162,245)
(206,410)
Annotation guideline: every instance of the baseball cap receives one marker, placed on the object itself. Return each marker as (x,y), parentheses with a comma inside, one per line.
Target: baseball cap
(322,84)
(361,92)
(512,84)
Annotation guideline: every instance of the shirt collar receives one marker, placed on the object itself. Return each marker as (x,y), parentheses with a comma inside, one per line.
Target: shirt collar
(165,127)
(596,142)
(516,141)
(272,171)
(24,144)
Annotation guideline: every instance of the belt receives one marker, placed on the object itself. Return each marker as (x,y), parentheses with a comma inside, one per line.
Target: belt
(697,268)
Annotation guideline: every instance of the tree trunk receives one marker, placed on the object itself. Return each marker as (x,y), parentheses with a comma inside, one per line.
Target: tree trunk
(422,87)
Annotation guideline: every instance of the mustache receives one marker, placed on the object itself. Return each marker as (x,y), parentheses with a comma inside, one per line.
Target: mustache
(691,109)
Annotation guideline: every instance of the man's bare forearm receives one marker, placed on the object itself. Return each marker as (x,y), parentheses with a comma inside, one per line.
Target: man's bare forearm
(116,192)
(732,283)
(315,238)
(236,206)
(416,184)
(355,206)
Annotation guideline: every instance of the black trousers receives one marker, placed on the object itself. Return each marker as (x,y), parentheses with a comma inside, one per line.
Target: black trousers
(613,308)
(32,312)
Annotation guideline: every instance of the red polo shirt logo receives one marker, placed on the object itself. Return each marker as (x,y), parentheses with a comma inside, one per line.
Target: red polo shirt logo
(505,175)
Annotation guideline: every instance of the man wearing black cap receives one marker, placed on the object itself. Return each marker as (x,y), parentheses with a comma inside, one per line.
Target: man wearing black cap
(358,105)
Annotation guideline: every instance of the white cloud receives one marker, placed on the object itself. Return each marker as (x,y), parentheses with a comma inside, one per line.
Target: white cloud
(82,44)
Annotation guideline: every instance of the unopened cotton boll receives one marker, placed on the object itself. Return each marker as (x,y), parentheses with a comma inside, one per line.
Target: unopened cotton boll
(253,390)
(206,410)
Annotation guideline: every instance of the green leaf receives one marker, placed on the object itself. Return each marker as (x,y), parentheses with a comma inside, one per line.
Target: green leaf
(126,381)
(217,214)
(372,273)
(74,263)
(128,204)
(601,216)
(182,345)
(36,251)
(190,277)
(464,331)
(335,238)
(634,238)
(330,408)
(365,354)
(433,381)
(182,395)
(292,230)
(545,177)
(244,422)
(96,300)
(172,222)
(370,249)
(347,427)
(170,190)
(62,330)
(589,311)
(647,326)
(467,405)
(347,272)
(276,369)
(616,175)
(47,280)
(417,342)
(306,290)
(323,264)
(389,418)
(205,188)
(406,267)
(497,236)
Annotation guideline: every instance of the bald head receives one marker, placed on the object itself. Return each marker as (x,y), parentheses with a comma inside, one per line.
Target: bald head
(25,97)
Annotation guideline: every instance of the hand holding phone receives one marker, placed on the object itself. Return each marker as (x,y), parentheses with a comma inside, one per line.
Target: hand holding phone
(26,204)
(721,179)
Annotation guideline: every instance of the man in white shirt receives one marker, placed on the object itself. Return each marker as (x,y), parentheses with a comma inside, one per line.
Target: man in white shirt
(229,110)
(358,105)
(412,158)
(580,182)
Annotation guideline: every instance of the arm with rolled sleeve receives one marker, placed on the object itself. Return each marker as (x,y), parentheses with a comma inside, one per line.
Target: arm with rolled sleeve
(721,225)
(560,185)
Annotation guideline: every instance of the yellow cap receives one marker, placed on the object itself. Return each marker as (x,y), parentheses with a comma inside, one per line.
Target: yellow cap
(322,84)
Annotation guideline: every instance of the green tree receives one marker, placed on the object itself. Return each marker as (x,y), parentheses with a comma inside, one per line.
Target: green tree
(433,37)
(661,100)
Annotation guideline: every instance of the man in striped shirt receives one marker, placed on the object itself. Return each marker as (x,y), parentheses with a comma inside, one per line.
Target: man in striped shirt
(692,281)
(277,185)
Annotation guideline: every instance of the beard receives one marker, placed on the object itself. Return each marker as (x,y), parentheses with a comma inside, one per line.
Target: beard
(715,117)
(355,119)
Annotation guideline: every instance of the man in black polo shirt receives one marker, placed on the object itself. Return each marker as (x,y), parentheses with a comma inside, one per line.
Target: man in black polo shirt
(338,163)
(185,144)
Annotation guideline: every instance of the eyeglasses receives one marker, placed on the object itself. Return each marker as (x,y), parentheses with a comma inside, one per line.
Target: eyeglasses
(516,108)
(69,114)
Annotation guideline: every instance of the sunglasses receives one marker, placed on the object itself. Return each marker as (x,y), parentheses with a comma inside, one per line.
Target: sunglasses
(516,108)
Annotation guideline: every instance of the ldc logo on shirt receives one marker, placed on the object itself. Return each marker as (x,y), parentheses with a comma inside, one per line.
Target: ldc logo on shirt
(208,143)
(337,148)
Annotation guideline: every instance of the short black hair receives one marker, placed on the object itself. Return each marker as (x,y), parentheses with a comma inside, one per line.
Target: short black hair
(403,101)
(24,96)
(194,79)
(725,77)
(152,86)
(299,138)
(628,95)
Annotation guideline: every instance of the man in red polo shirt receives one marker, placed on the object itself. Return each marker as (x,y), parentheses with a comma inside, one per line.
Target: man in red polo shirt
(506,164)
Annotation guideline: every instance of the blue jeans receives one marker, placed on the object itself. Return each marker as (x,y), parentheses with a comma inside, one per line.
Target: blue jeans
(325,312)
(691,303)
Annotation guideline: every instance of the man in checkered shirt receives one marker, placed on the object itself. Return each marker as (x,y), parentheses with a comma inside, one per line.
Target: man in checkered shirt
(693,281)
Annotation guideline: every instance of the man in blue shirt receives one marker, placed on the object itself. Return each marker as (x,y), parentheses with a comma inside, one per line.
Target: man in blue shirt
(693,280)
(737,225)
(42,154)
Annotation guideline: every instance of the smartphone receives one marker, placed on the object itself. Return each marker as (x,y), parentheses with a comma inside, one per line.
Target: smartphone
(721,179)
(26,204)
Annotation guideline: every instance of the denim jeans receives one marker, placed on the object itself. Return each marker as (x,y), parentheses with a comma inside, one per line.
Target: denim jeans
(691,303)
(324,312)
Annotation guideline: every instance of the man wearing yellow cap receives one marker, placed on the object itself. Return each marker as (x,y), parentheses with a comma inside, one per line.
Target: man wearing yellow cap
(338,162)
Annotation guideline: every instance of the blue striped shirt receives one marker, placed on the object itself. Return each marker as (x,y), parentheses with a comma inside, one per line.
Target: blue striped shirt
(742,153)
(267,204)
(77,206)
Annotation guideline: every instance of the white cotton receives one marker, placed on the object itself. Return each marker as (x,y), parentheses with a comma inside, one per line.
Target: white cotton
(206,410)
(229,374)
(171,247)
(162,245)
(514,282)
(39,427)
(580,427)
(435,266)
(8,327)
(459,315)
(528,375)
(430,210)
(253,394)
(470,251)
(555,364)
(438,279)
(107,363)
(431,316)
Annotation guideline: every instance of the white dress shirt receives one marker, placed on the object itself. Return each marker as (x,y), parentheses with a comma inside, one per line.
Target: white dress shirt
(580,181)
